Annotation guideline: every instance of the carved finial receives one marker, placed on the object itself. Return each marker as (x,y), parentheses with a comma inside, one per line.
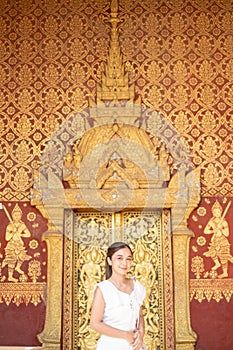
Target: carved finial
(114,8)
(115,86)
(115,80)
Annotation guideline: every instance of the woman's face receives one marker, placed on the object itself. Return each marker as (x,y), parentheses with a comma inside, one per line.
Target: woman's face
(121,261)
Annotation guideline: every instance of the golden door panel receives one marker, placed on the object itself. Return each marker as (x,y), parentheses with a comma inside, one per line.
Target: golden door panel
(87,236)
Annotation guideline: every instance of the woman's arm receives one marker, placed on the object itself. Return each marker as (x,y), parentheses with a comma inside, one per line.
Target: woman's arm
(141,326)
(97,324)
(140,332)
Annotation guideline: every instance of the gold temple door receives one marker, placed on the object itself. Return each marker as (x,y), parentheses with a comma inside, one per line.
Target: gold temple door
(87,236)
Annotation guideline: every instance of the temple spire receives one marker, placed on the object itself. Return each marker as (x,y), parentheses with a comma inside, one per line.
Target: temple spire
(115,102)
(115,80)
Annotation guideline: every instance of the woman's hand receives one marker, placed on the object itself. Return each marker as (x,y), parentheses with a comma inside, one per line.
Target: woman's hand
(130,336)
(138,339)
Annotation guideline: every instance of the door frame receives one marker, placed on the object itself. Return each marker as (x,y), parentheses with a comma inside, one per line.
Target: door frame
(53,206)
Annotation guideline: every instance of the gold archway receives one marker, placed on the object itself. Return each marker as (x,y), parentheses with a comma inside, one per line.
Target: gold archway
(169,198)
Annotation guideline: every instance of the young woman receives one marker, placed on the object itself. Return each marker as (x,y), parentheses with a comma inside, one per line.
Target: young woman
(117,305)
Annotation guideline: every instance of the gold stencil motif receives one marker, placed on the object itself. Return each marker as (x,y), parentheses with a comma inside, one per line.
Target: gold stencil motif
(211,289)
(213,259)
(22,293)
(179,63)
(20,272)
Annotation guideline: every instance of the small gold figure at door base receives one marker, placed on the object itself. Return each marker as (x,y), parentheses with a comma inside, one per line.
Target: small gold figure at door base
(15,251)
(219,247)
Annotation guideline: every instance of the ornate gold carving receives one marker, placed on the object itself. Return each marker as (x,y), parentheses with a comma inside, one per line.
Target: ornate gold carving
(91,233)
(51,333)
(152,269)
(118,166)
(15,251)
(69,270)
(197,266)
(185,337)
(212,255)
(168,286)
(219,248)
(85,263)
(211,289)
(93,228)
(90,273)
(115,80)
(144,270)
(22,293)
(148,60)
(17,283)
(34,270)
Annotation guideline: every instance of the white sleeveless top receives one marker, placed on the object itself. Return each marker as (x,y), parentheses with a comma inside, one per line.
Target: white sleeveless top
(121,311)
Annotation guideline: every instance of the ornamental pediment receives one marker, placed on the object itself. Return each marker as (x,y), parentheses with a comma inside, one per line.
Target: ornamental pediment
(117,154)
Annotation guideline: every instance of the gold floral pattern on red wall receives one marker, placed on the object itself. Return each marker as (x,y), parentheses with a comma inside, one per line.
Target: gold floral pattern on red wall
(179,54)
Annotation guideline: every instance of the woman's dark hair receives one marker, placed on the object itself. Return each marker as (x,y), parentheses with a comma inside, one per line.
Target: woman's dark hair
(111,250)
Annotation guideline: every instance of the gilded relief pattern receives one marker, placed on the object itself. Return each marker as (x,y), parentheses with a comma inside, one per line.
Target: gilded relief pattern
(148,265)
(22,259)
(92,234)
(211,252)
(67,333)
(179,55)
(152,266)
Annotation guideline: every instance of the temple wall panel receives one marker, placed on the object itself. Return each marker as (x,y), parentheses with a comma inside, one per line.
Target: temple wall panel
(179,56)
